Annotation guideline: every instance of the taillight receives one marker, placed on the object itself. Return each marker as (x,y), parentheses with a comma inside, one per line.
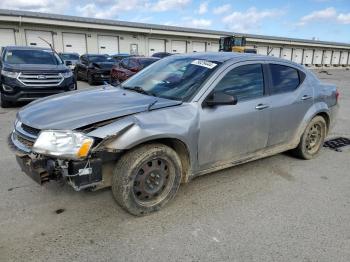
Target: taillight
(337,95)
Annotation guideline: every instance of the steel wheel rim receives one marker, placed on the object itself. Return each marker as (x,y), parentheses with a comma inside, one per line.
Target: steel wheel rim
(153,181)
(314,138)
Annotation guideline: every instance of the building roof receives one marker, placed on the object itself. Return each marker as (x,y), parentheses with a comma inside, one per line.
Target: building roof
(6,12)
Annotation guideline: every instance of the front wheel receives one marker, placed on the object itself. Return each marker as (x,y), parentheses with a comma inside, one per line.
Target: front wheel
(146,178)
(312,139)
(90,79)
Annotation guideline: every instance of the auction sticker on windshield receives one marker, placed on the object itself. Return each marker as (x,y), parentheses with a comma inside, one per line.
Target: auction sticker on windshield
(204,63)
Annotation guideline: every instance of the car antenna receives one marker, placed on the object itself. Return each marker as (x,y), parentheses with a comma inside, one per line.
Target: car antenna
(50,45)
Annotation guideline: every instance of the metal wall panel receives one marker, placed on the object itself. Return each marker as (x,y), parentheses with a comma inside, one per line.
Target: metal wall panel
(318,57)
(35,38)
(286,53)
(7,37)
(275,51)
(155,46)
(262,50)
(178,46)
(327,56)
(74,42)
(198,46)
(335,57)
(214,46)
(297,55)
(308,56)
(344,57)
(108,44)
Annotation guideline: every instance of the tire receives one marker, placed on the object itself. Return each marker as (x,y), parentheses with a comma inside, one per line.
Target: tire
(135,177)
(5,103)
(312,139)
(113,81)
(76,75)
(90,80)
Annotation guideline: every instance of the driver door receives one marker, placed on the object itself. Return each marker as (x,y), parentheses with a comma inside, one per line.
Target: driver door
(230,132)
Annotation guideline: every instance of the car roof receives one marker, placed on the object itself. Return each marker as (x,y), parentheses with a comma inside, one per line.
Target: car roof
(145,58)
(235,57)
(26,48)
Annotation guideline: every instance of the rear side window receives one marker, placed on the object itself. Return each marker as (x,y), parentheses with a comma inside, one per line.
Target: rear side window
(284,79)
(244,82)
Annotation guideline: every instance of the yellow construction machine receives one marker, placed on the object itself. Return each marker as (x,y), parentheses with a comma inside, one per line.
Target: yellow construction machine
(235,44)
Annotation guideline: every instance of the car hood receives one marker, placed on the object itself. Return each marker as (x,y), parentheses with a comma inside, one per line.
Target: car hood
(35,68)
(81,108)
(103,65)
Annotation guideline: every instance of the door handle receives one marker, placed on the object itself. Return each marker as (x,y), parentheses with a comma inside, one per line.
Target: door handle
(261,106)
(306,97)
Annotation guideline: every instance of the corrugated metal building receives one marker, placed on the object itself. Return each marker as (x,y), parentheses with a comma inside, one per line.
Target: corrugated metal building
(81,35)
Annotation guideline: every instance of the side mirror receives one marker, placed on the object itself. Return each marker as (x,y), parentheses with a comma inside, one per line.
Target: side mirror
(220,98)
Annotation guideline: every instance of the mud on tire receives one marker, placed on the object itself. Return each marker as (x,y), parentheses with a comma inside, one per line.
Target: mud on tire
(146,178)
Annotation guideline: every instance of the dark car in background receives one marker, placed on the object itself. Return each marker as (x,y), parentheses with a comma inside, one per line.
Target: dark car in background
(128,67)
(69,59)
(28,73)
(94,68)
(162,54)
(119,57)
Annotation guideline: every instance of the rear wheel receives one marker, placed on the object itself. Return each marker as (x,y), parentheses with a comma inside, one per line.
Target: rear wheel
(312,139)
(146,178)
(4,102)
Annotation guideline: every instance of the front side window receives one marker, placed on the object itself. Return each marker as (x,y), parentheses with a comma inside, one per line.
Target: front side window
(244,82)
(284,78)
(46,57)
(174,77)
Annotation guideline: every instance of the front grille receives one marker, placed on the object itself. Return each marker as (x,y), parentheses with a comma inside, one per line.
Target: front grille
(30,130)
(40,80)
(24,137)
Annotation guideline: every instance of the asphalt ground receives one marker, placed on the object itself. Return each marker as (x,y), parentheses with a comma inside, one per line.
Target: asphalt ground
(274,209)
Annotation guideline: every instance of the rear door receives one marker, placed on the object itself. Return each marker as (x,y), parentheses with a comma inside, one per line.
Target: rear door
(290,98)
(230,132)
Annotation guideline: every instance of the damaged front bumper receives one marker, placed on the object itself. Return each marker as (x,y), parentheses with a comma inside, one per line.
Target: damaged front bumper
(79,174)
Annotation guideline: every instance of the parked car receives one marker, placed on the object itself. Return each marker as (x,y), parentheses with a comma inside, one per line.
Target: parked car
(28,73)
(162,54)
(94,68)
(181,117)
(128,67)
(70,59)
(119,57)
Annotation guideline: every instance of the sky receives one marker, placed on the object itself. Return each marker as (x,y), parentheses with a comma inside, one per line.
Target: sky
(326,20)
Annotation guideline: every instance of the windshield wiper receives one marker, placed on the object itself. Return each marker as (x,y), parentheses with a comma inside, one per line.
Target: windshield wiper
(139,89)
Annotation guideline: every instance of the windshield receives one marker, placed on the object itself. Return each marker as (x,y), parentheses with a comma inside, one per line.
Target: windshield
(40,57)
(175,77)
(70,56)
(100,58)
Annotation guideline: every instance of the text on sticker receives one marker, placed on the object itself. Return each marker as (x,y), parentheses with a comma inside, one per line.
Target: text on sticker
(204,63)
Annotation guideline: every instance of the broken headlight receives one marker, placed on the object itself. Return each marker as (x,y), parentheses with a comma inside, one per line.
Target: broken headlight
(63,144)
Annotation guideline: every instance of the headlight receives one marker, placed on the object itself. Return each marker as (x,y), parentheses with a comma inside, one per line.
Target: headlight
(67,74)
(9,73)
(63,144)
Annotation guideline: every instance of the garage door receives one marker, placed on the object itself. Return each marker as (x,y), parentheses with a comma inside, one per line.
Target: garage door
(7,37)
(275,51)
(214,47)
(318,57)
(108,44)
(308,56)
(156,45)
(75,43)
(335,57)
(344,58)
(178,47)
(327,56)
(286,53)
(297,55)
(198,46)
(262,50)
(35,38)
